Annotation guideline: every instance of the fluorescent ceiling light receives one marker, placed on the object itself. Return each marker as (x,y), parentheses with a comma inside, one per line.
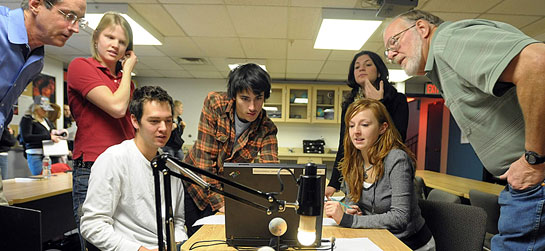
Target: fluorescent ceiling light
(346,29)
(143,33)
(397,75)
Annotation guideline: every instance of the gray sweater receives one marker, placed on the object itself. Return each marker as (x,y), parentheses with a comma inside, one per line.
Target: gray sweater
(391,202)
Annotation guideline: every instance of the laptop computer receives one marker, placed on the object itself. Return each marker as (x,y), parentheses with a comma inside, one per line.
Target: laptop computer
(21,228)
(246,226)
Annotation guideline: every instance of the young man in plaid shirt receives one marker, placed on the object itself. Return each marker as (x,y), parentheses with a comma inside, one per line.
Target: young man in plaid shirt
(233,128)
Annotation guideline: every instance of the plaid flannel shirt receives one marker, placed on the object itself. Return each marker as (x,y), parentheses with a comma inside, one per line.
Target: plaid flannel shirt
(216,145)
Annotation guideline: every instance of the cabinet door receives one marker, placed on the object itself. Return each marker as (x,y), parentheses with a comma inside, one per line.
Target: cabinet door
(324,104)
(274,105)
(344,91)
(299,99)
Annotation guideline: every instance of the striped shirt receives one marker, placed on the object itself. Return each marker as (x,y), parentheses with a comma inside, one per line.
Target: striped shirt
(465,61)
(216,144)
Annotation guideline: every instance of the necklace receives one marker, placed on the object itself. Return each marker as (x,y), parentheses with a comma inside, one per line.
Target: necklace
(365,170)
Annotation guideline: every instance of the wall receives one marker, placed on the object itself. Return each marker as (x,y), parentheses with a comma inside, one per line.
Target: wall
(193,91)
(54,68)
(462,160)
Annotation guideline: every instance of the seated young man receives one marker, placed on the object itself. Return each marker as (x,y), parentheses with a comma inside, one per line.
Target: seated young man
(233,128)
(119,210)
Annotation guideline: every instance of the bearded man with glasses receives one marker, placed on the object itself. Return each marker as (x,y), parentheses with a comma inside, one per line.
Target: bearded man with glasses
(23,34)
(491,76)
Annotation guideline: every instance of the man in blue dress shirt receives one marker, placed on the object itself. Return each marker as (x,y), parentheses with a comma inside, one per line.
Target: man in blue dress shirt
(23,34)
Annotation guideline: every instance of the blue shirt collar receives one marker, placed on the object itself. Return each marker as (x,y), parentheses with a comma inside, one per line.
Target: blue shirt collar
(17,33)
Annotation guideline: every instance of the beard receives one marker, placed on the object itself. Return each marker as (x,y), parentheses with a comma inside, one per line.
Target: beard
(413,62)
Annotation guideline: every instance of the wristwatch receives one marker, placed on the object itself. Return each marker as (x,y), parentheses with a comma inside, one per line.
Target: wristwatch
(533,158)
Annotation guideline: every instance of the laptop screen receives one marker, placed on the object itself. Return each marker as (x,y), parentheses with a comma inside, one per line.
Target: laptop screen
(22,227)
(249,226)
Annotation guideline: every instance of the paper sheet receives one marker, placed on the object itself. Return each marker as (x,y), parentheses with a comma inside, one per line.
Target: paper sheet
(329,222)
(211,220)
(348,244)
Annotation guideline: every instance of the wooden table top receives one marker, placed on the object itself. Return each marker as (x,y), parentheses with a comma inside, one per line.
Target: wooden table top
(457,185)
(24,191)
(381,237)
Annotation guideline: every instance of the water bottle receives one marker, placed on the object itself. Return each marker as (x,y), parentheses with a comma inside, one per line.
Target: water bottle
(46,167)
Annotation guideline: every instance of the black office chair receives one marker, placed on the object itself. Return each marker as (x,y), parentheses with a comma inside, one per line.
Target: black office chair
(454,226)
(488,202)
(440,195)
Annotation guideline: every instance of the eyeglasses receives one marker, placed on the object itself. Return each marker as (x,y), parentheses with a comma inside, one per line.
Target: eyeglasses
(393,42)
(72,18)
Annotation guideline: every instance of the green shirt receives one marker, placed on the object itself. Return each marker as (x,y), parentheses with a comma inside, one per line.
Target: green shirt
(465,60)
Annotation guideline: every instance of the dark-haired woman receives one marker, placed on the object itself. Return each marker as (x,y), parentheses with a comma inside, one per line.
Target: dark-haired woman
(368,78)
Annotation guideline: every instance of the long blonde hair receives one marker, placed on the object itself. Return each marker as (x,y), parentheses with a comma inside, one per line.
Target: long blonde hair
(352,164)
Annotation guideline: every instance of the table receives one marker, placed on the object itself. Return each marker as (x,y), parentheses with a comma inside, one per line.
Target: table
(457,185)
(53,197)
(381,237)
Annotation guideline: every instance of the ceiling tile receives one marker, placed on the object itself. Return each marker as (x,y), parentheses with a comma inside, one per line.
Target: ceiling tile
(80,41)
(147,50)
(219,63)
(276,66)
(175,74)
(149,73)
(304,66)
(303,49)
(192,1)
(272,21)
(373,46)
(515,20)
(264,48)
(65,50)
(325,3)
(160,63)
(160,18)
(118,1)
(459,5)
(203,20)
(535,29)
(331,77)
(342,55)
(304,23)
(205,67)
(220,47)
(206,74)
(336,67)
(278,76)
(455,16)
(180,47)
(258,2)
(301,76)
(522,7)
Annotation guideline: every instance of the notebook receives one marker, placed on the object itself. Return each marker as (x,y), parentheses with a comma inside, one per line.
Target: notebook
(248,226)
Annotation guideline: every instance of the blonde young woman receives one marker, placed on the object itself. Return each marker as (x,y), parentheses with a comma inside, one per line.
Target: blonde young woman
(99,91)
(378,171)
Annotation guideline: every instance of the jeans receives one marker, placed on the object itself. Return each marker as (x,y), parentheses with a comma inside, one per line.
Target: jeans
(177,153)
(4,166)
(193,213)
(80,182)
(522,222)
(34,163)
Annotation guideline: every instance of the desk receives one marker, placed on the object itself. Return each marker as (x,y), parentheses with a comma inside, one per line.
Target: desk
(53,197)
(457,185)
(381,237)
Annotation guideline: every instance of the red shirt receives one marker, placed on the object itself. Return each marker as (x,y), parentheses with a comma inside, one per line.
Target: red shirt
(97,130)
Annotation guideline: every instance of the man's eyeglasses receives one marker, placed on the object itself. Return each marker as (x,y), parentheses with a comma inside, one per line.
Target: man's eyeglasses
(72,18)
(393,42)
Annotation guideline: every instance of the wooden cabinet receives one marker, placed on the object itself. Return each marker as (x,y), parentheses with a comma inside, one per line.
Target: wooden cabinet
(275,104)
(300,103)
(344,91)
(325,107)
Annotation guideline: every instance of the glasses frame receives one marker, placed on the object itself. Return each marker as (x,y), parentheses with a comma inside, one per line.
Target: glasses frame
(393,42)
(70,17)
